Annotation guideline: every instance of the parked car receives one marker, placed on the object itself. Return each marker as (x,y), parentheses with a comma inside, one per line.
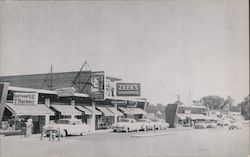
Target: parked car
(146,124)
(161,124)
(67,127)
(235,125)
(126,124)
(200,126)
(211,125)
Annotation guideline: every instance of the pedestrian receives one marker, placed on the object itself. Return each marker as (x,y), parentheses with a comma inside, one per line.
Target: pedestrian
(29,126)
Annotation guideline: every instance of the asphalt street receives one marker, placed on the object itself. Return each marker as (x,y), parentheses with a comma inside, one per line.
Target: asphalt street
(174,142)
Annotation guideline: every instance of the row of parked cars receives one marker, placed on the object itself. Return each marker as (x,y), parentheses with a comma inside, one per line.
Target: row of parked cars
(230,124)
(65,127)
(130,124)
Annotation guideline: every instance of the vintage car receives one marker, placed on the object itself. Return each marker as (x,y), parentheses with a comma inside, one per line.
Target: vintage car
(235,125)
(66,127)
(160,124)
(146,124)
(211,125)
(126,124)
(200,125)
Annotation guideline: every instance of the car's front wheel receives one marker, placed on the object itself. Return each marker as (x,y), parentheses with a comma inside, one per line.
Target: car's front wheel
(64,133)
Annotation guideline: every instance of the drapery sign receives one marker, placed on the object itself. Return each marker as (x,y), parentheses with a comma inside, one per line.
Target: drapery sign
(25,98)
(128,89)
(97,91)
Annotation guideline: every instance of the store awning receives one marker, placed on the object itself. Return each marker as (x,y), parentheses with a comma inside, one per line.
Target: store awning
(31,110)
(86,111)
(197,116)
(66,109)
(182,116)
(93,110)
(115,111)
(126,111)
(105,111)
(137,110)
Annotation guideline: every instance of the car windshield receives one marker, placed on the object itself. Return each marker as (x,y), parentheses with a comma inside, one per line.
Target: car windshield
(63,121)
(124,120)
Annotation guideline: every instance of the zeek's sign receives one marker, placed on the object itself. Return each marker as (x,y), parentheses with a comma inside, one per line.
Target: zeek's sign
(97,91)
(128,89)
(25,98)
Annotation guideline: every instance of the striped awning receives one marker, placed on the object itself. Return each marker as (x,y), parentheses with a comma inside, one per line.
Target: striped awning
(66,109)
(82,109)
(126,111)
(93,110)
(182,116)
(115,111)
(197,116)
(31,110)
(137,110)
(105,111)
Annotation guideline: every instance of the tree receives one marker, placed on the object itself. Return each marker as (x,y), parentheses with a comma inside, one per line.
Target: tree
(229,101)
(245,107)
(213,102)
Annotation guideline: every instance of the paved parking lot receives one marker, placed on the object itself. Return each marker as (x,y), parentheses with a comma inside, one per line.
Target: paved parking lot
(176,142)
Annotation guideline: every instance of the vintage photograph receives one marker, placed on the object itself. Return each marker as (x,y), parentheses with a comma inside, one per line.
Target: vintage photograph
(124,78)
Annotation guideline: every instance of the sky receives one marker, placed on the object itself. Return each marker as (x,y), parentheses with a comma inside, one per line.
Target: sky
(170,47)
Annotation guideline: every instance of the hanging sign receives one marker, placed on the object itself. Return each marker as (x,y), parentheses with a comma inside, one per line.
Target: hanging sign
(97,90)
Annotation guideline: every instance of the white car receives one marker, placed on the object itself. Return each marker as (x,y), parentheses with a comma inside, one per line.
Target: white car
(211,125)
(126,124)
(146,124)
(235,125)
(161,124)
(67,127)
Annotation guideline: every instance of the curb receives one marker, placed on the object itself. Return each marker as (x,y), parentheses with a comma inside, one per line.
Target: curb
(150,135)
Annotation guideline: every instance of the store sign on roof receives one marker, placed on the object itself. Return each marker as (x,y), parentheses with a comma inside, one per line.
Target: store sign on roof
(128,89)
(66,91)
(25,98)
(97,90)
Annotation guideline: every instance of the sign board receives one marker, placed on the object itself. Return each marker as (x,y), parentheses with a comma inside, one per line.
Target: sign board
(187,111)
(25,98)
(66,91)
(118,102)
(97,90)
(128,89)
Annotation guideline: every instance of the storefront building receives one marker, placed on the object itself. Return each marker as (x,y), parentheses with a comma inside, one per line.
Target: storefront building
(89,96)
(186,115)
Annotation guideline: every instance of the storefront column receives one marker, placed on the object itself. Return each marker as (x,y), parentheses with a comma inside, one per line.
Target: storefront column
(93,117)
(115,116)
(47,119)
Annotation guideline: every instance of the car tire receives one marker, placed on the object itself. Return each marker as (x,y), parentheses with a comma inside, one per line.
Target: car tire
(64,133)
(82,133)
(114,130)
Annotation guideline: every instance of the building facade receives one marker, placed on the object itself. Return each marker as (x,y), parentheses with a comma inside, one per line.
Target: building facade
(89,96)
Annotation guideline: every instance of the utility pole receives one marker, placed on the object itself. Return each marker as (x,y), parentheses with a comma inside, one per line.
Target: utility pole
(51,77)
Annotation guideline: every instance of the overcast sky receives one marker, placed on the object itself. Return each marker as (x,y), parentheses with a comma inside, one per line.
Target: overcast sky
(170,47)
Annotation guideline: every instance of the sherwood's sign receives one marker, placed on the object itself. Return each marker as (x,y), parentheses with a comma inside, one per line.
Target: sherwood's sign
(128,89)
(97,90)
(25,98)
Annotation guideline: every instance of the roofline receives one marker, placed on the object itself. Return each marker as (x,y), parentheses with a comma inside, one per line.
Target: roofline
(42,73)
